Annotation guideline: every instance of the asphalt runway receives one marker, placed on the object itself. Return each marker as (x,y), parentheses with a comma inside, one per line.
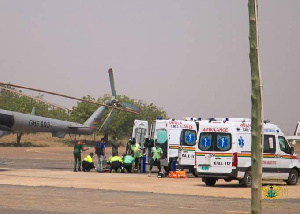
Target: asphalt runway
(40,180)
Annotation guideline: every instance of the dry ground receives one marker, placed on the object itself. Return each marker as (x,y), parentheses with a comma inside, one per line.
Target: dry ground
(41,180)
(52,166)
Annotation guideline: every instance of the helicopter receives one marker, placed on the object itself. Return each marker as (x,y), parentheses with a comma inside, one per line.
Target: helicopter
(11,121)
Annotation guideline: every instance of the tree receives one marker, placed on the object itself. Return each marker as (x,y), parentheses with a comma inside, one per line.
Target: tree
(83,110)
(16,102)
(122,121)
(121,124)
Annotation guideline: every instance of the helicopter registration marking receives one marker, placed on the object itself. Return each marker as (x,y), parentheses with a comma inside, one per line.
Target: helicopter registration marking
(39,123)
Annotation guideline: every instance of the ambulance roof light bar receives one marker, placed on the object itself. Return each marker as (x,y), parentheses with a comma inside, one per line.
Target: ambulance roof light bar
(193,119)
(212,119)
(233,119)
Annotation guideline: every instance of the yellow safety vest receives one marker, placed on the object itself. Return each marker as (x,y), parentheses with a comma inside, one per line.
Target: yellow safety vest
(88,159)
(136,150)
(115,158)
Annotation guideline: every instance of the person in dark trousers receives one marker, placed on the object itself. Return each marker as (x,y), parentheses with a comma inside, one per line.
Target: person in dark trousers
(114,145)
(100,151)
(155,160)
(137,154)
(128,147)
(128,161)
(116,163)
(87,163)
(78,147)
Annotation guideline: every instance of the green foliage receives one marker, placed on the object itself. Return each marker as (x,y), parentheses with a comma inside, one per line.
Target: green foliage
(15,102)
(83,110)
(122,121)
(121,124)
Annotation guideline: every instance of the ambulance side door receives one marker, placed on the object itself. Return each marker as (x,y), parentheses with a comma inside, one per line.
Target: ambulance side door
(270,160)
(285,157)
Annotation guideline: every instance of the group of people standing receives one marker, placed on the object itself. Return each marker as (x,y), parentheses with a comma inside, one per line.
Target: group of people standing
(117,163)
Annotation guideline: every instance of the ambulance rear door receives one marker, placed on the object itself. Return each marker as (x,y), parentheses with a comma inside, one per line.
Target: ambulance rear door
(215,152)
(140,132)
(161,140)
(186,151)
(173,142)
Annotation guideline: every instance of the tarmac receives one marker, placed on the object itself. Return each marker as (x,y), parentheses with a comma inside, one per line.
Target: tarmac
(41,180)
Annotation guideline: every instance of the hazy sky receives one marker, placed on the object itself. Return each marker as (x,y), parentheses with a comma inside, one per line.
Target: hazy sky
(189,57)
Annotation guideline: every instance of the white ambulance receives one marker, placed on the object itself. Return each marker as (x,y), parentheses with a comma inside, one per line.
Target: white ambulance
(223,151)
(140,132)
(177,138)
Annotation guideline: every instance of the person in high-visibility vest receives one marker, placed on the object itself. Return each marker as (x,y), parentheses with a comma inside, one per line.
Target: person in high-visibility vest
(137,154)
(128,161)
(156,153)
(116,163)
(87,163)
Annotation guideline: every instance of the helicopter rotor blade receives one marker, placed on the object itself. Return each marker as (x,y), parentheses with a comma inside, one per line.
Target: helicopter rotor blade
(112,83)
(37,99)
(131,107)
(66,96)
(107,121)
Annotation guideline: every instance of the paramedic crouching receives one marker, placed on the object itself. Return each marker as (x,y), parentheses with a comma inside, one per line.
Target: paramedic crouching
(87,163)
(116,163)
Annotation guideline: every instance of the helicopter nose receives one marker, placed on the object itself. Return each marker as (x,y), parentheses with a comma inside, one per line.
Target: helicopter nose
(6,121)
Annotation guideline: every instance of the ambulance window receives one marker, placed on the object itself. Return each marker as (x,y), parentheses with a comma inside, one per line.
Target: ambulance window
(205,142)
(269,144)
(283,145)
(223,142)
(140,134)
(161,135)
(189,138)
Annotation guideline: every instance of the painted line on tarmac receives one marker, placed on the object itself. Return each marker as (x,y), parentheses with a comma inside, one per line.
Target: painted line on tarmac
(146,205)
(187,208)
(62,199)
(28,176)
(33,150)
(233,211)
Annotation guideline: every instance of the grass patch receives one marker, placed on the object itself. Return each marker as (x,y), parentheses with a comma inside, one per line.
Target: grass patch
(46,140)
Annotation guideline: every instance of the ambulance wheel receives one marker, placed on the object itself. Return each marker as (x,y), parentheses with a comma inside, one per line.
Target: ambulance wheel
(293,177)
(193,171)
(210,181)
(247,179)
